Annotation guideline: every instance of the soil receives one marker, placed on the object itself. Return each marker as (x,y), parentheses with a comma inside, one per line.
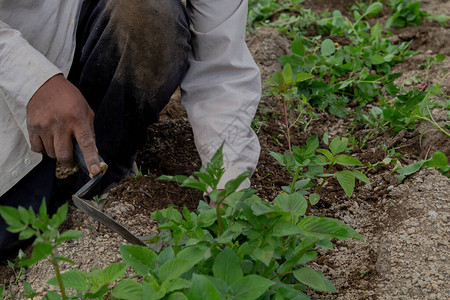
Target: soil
(406,251)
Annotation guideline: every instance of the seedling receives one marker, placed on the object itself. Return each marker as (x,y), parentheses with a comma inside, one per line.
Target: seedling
(283,90)
(305,165)
(45,230)
(428,63)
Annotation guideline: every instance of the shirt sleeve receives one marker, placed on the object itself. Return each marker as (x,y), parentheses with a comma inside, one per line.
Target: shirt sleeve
(23,70)
(222,88)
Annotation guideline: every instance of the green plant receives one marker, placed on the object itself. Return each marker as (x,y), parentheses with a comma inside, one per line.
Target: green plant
(429,61)
(243,248)
(307,163)
(281,86)
(45,231)
(408,12)
(438,161)
(411,107)
(139,173)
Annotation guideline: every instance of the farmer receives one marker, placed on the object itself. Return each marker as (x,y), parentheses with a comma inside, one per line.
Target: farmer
(100,71)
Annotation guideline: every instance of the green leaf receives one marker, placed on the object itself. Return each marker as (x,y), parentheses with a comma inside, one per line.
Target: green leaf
(264,255)
(287,73)
(440,57)
(294,203)
(262,209)
(250,287)
(70,235)
(195,254)
(361,176)
(152,291)
(409,169)
(337,145)
(277,79)
(325,138)
(439,160)
(39,252)
(314,199)
(227,267)
(278,156)
(327,47)
(140,258)
(194,183)
(306,244)
(60,216)
(345,160)
(377,59)
(52,295)
(373,9)
(127,289)
(314,279)
(233,184)
(284,228)
(347,181)
(174,268)
(300,77)
(112,273)
(298,47)
(288,293)
(177,296)
(327,154)
(327,228)
(2,291)
(165,255)
(176,284)
(74,279)
(311,145)
(10,215)
(202,288)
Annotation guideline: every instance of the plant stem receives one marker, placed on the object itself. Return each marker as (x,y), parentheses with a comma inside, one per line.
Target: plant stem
(58,277)
(219,218)
(281,274)
(294,180)
(286,123)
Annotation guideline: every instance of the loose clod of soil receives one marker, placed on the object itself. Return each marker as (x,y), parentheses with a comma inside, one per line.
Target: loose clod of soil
(406,252)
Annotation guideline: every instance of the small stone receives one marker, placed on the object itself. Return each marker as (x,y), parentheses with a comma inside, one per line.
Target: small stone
(390,188)
(411,231)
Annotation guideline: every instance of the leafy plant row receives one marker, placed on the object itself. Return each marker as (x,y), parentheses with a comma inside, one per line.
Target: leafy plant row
(240,248)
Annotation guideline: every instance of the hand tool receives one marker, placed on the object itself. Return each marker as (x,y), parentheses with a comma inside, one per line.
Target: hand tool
(90,210)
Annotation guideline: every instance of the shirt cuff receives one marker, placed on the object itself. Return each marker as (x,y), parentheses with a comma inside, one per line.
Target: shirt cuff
(22,74)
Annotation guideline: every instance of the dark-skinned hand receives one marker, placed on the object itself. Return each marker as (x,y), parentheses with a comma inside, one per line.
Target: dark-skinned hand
(58,113)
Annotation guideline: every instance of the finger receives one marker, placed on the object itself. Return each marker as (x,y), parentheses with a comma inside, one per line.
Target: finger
(36,144)
(64,150)
(86,141)
(48,145)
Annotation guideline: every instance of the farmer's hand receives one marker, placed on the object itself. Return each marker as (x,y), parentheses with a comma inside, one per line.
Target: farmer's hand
(56,114)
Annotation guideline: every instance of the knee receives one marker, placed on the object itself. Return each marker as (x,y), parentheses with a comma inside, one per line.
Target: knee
(151,26)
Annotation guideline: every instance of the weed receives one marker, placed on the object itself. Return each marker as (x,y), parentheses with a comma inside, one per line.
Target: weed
(438,161)
(282,88)
(306,165)
(45,230)
(429,61)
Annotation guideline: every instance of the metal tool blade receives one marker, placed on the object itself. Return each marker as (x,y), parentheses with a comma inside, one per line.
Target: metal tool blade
(90,210)
(106,220)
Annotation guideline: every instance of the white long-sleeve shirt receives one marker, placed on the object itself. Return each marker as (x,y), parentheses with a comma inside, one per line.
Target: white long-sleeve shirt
(220,92)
